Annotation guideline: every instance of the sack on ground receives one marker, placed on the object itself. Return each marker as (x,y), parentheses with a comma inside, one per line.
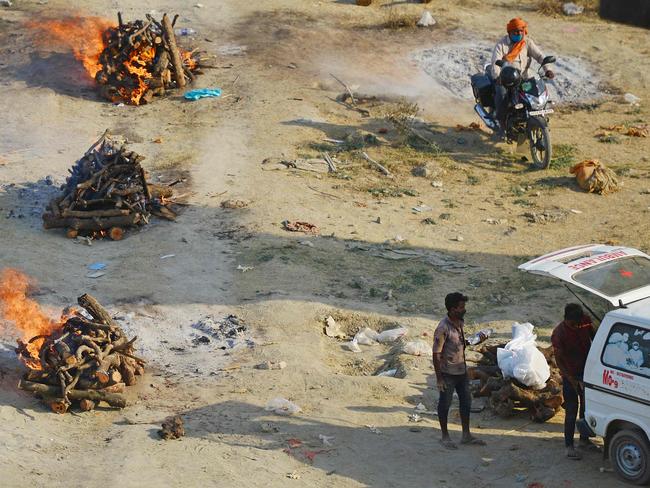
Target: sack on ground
(594,177)
(417,348)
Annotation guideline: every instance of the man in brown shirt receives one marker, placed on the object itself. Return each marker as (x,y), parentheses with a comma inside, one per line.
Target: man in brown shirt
(451,370)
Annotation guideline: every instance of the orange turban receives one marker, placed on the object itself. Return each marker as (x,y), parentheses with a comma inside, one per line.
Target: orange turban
(517,47)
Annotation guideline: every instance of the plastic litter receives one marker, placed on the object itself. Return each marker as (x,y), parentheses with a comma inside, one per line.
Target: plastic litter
(5,3)
(414,417)
(426,20)
(571,8)
(243,269)
(352,346)
(366,337)
(282,406)
(202,93)
(389,372)
(332,329)
(95,274)
(184,31)
(631,99)
(391,335)
(167,256)
(326,439)
(480,336)
(417,348)
(520,359)
(96,266)
(374,429)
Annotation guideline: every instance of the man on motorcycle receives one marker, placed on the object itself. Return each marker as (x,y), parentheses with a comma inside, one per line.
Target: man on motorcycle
(518,50)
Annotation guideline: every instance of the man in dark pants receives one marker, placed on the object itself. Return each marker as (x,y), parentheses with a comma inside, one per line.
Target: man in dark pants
(451,370)
(571,341)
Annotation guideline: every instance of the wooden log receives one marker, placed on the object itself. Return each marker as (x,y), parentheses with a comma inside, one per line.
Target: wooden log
(86,405)
(72,233)
(98,312)
(58,405)
(116,233)
(164,213)
(113,399)
(160,191)
(379,166)
(88,214)
(177,61)
(127,371)
(97,223)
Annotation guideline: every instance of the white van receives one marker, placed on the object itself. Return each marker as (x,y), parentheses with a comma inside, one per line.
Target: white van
(617,373)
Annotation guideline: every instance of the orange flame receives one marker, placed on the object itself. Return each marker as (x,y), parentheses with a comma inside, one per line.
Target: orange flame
(81,35)
(137,65)
(25,313)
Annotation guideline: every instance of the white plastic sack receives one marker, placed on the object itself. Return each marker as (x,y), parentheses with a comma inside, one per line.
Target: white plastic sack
(426,20)
(417,348)
(352,345)
(282,406)
(521,359)
(366,337)
(391,335)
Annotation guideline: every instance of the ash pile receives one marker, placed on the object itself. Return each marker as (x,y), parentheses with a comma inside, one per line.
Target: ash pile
(88,359)
(106,193)
(141,60)
(227,333)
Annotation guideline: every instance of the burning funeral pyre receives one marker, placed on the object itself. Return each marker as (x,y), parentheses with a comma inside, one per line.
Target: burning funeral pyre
(106,193)
(81,360)
(141,60)
(131,62)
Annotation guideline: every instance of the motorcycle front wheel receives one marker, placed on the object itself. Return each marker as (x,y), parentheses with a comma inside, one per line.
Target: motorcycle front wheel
(540,142)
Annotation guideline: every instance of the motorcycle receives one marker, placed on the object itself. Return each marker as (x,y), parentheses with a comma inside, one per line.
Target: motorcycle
(528,107)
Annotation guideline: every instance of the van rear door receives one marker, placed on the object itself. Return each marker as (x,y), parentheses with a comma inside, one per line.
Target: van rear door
(620,275)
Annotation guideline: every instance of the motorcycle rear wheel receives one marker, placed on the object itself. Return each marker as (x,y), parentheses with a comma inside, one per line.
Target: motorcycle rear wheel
(540,142)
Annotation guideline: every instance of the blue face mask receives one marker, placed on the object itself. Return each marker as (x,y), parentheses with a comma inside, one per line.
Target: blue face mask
(516,37)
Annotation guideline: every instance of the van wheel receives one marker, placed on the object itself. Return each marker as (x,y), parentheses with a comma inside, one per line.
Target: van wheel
(630,455)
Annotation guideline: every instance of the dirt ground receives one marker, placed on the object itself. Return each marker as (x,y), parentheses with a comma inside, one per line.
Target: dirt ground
(279,101)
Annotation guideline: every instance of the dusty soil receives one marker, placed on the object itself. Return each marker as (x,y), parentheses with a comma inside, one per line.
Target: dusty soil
(281,102)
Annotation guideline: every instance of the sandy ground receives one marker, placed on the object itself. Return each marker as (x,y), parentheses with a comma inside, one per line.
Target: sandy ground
(280,101)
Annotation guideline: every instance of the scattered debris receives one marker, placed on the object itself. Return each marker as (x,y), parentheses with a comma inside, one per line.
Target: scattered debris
(96,266)
(366,336)
(391,335)
(373,429)
(492,221)
(545,216)
(106,192)
(631,99)
(229,330)
(639,130)
(167,256)
(414,417)
(436,184)
(459,238)
(98,358)
(379,166)
(293,475)
(417,348)
(326,439)
(202,93)
(439,260)
(594,177)
(426,20)
(571,8)
(95,274)
(299,226)
(575,211)
(282,406)
(332,329)
(429,221)
(232,204)
(243,269)
(352,346)
(389,373)
(172,428)
(421,208)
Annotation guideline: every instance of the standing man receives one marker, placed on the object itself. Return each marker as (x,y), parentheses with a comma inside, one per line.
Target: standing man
(571,341)
(451,370)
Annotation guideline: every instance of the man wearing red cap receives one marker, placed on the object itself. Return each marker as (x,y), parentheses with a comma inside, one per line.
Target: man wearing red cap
(518,50)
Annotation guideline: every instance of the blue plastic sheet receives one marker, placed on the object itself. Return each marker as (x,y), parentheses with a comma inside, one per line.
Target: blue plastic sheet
(202,93)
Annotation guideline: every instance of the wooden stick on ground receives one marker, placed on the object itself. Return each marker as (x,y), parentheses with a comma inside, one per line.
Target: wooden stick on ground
(347,88)
(379,166)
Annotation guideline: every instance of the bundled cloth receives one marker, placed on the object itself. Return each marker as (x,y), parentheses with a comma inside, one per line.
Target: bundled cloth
(594,177)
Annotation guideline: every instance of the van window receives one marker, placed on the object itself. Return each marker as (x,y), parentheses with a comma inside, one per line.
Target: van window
(616,277)
(628,348)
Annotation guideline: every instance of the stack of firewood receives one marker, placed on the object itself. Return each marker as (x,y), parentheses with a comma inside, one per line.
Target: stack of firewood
(507,396)
(107,192)
(141,60)
(86,361)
